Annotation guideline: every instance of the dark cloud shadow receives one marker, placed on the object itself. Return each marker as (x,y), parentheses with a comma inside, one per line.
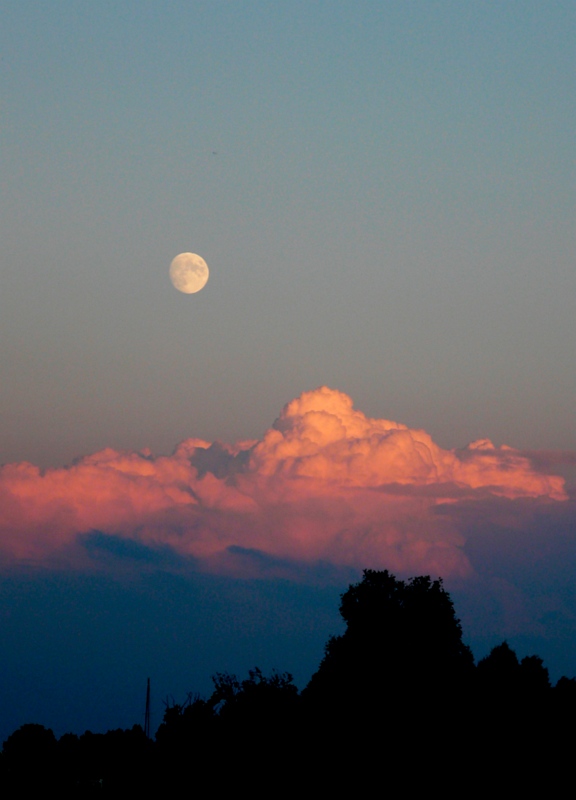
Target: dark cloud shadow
(106,546)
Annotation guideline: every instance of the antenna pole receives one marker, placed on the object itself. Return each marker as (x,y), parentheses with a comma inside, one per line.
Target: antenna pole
(147,714)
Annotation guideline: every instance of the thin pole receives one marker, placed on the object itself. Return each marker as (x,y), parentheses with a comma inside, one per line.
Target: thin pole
(147,714)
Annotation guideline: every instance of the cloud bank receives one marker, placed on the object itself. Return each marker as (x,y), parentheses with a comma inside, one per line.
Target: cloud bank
(324,485)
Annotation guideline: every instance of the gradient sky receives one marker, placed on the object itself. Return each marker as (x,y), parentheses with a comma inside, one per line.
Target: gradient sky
(385,196)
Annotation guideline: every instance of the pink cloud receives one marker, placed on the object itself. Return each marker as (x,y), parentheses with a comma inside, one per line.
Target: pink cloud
(325,484)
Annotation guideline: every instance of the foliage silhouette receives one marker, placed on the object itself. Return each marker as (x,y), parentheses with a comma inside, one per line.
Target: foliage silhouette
(257,698)
(398,687)
(240,719)
(402,648)
(29,756)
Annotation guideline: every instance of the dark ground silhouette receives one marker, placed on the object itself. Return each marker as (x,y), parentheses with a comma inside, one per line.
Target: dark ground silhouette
(397,704)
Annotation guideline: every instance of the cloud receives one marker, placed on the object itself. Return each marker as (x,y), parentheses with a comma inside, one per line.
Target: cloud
(325,485)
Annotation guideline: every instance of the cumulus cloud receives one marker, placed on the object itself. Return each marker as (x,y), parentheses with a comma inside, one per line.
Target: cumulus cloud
(324,485)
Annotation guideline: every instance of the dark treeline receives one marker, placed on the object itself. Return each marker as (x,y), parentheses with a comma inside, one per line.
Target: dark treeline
(397,704)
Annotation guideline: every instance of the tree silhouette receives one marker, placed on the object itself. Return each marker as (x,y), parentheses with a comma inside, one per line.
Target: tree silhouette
(243,724)
(517,695)
(402,647)
(28,757)
(396,695)
(257,700)
(392,685)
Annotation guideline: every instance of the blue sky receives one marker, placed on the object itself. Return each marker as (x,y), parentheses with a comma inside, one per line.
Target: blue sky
(389,211)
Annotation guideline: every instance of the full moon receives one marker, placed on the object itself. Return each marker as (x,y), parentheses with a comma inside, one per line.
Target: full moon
(189,273)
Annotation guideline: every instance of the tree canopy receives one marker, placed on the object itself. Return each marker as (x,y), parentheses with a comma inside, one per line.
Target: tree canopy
(402,644)
(398,687)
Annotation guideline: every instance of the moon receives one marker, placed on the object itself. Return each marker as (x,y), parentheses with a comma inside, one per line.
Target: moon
(189,273)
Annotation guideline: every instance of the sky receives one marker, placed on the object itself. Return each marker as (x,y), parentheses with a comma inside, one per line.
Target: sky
(379,372)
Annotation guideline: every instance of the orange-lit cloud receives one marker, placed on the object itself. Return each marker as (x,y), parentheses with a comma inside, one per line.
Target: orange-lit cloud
(325,484)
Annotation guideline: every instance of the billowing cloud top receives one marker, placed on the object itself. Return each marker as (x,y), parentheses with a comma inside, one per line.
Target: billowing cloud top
(320,435)
(325,484)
